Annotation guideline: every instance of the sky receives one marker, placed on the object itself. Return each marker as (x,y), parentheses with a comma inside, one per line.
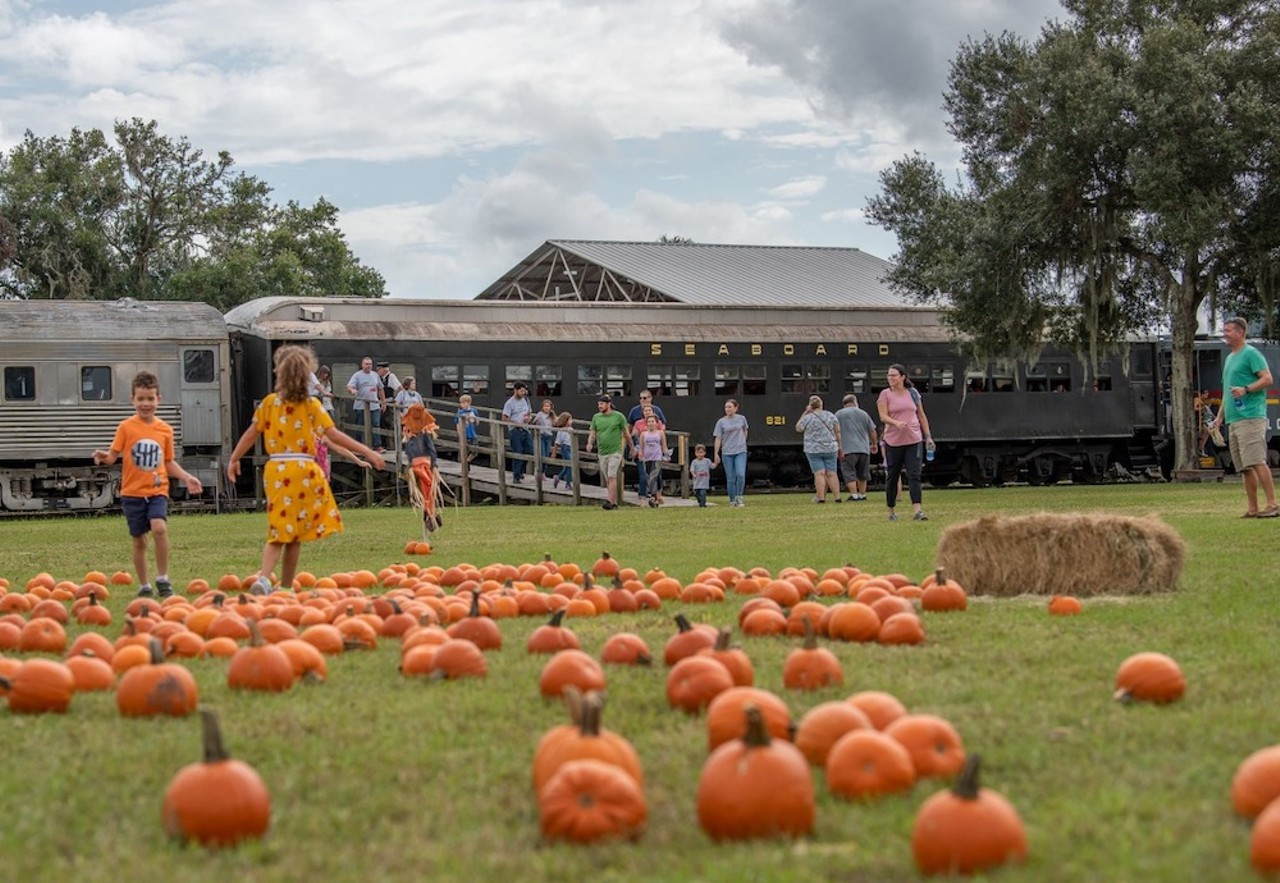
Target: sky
(456,136)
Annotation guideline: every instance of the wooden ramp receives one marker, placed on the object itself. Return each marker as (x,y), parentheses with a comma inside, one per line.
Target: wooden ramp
(487,482)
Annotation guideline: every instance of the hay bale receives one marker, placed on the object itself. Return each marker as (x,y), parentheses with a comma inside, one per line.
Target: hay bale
(1074,554)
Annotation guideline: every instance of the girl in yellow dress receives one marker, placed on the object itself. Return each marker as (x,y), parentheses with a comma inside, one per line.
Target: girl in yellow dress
(300,506)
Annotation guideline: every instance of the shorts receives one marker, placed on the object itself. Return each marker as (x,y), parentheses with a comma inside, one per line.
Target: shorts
(610,464)
(1248,442)
(855,467)
(139,512)
(824,462)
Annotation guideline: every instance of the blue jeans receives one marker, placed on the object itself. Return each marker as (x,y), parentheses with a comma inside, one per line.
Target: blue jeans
(650,471)
(521,443)
(375,421)
(566,471)
(700,494)
(735,473)
(546,452)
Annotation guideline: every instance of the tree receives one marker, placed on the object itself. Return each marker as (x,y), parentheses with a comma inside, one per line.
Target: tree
(1116,175)
(152,218)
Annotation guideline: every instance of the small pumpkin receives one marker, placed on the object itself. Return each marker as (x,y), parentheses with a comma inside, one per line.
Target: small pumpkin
(695,681)
(755,786)
(726,715)
(1256,782)
(943,595)
(1149,677)
(967,828)
(934,745)
(218,801)
(1264,842)
(625,648)
(735,659)
(606,567)
(570,667)
(477,628)
(91,673)
(38,686)
(688,640)
(810,667)
(587,739)
(553,637)
(880,707)
(868,763)
(456,658)
(1065,605)
(823,725)
(158,688)
(259,666)
(589,800)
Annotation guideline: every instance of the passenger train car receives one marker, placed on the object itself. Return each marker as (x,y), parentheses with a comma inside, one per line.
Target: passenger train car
(67,367)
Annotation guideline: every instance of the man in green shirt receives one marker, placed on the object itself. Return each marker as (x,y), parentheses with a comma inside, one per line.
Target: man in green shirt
(1245,381)
(608,433)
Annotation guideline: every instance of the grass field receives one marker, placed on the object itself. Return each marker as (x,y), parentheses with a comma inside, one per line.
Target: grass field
(375,777)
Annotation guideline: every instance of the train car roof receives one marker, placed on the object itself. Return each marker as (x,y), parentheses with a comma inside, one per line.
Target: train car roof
(114,320)
(704,274)
(281,318)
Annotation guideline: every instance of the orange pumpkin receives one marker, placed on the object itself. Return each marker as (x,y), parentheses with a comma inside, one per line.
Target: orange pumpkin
(157,688)
(967,829)
(823,725)
(880,708)
(1149,677)
(725,715)
(868,763)
(260,666)
(934,745)
(589,800)
(218,801)
(1256,782)
(570,667)
(38,686)
(696,680)
(588,739)
(810,667)
(625,648)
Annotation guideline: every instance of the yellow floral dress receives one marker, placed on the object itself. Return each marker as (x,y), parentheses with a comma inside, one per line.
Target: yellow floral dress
(300,506)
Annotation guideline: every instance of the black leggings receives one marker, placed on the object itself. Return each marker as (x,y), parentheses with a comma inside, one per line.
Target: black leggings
(898,458)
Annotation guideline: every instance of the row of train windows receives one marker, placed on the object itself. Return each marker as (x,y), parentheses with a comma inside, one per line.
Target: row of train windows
(450,381)
(96,385)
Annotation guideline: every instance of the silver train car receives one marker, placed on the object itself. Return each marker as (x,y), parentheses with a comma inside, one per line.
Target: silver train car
(67,369)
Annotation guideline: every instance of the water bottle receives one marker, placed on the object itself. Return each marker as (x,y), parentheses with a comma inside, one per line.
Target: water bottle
(1239,401)
(929,448)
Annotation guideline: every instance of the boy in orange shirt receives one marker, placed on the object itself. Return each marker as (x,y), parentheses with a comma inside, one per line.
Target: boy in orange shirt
(146,443)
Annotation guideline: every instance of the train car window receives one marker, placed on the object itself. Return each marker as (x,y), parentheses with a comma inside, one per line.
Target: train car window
(197,366)
(1142,365)
(942,379)
(549,380)
(975,383)
(806,379)
(855,378)
(919,378)
(754,380)
(793,378)
(444,381)
(590,379)
(95,383)
(728,381)
(475,379)
(20,383)
(688,380)
(1102,383)
(519,372)
(617,381)
(1002,383)
(878,379)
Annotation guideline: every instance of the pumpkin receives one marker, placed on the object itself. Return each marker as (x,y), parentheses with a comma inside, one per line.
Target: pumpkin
(260,666)
(553,637)
(418,660)
(477,628)
(1149,677)
(38,686)
(943,595)
(696,680)
(755,786)
(626,648)
(688,640)
(184,644)
(93,613)
(764,622)
(868,763)
(1256,782)
(590,800)
(307,661)
(823,725)
(934,745)
(901,628)
(967,829)
(43,635)
(880,708)
(1264,843)
(158,688)
(324,637)
(94,642)
(853,621)
(587,739)
(733,658)
(456,658)
(218,801)
(90,672)
(810,667)
(1065,605)
(606,567)
(725,715)
(570,667)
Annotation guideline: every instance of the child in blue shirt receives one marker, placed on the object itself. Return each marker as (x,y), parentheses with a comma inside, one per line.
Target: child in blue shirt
(465,422)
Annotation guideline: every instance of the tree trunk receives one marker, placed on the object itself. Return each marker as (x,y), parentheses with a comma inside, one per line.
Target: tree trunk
(1184,302)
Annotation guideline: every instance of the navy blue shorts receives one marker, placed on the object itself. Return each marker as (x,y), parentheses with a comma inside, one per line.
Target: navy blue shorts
(139,512)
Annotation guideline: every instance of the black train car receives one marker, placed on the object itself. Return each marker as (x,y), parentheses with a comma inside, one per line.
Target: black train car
(1042,422)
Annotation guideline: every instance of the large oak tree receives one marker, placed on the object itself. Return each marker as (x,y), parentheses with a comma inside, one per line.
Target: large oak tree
(1117,174)
(151,217)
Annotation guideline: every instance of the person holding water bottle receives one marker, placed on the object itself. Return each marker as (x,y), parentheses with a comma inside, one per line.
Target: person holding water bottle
(1246,379)
(905,427)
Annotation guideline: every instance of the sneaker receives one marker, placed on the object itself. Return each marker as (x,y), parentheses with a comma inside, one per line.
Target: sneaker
(609,504)
(893,516)
(164,588)
(920,516)
(261,586)
(816,500)
(741,502)
(836,498)
(144,591)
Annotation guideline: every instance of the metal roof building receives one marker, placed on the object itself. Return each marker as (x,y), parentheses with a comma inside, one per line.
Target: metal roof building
(700,275)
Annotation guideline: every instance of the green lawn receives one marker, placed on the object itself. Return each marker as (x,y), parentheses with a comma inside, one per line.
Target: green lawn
(378,778)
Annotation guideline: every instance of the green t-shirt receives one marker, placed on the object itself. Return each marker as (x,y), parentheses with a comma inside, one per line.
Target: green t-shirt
(608,429)
(1241,369)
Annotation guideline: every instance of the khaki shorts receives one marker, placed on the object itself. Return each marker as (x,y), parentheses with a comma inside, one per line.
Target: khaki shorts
(609,464)
(1248,442)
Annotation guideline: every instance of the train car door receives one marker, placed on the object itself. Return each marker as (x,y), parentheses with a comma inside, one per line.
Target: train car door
(200,396)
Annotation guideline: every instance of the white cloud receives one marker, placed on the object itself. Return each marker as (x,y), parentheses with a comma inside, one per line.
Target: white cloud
(799,188)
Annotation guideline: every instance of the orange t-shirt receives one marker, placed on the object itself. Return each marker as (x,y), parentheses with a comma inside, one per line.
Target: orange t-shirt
(146,448)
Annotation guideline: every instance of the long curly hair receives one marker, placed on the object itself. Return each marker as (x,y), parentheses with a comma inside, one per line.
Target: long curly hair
(294,365)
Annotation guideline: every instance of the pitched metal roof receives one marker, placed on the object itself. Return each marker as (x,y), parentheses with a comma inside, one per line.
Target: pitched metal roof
(699,274)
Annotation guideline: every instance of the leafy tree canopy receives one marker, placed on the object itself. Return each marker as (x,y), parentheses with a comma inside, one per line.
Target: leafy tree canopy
(151,217)
(1117,174)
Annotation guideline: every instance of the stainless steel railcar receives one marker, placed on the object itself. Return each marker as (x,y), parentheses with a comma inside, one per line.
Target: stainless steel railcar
(67,368)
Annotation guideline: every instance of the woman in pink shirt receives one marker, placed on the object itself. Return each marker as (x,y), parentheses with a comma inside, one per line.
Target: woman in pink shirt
(905,427)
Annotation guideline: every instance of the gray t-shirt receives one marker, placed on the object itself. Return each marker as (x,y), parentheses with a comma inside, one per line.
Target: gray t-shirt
(700,472)
(517,410)
(856,427)
(365,384)
(732,432)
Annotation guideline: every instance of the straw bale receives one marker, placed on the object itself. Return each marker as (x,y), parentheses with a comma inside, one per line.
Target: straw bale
(1050,554)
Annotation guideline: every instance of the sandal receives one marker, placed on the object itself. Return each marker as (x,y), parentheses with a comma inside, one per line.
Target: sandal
(1270,512)
(1250,515)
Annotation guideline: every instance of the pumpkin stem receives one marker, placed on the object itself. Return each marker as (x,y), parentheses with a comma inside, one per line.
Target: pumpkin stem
(588,582)
(757,734)
(592,709)
(255,636)
(395,606)
(157,650)
(966,786)
(617,581)
(130,627)
(810,636)
(219,599)
(940,577)
(723,637)
(572,697)
(475,603)
(556,618)
(93,599)
(214,750)
(682,623)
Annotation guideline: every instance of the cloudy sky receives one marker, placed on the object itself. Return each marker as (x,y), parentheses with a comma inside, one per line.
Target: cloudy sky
(458,135)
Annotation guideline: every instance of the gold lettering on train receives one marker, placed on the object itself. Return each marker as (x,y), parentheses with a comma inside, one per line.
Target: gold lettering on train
(690,349)
(821,350)
(756,349)
(884,349)
(724,350)
(788,349)
(851,349)
(655,349)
